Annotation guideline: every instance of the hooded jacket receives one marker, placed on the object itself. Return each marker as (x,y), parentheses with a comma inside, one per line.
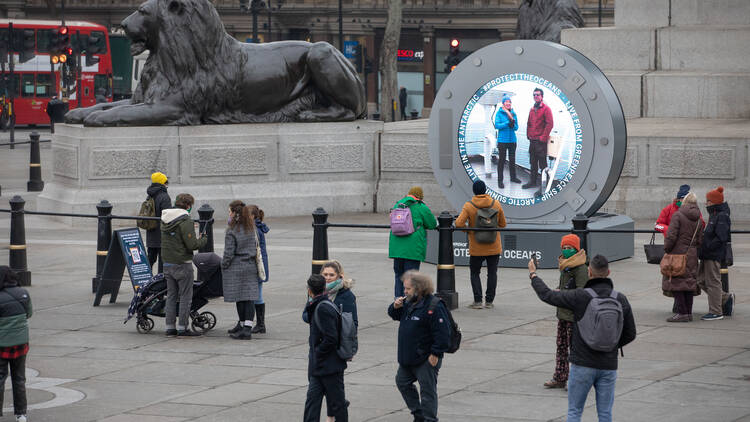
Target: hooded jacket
(178,237)
(506,128)
(685,225)
(323,340)
(15,309)
(161,203)
(577,300)
(573,275)
(469,214)
(413,246)
(717,233)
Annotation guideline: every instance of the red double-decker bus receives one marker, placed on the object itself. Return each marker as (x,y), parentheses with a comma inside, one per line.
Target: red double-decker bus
(37,81)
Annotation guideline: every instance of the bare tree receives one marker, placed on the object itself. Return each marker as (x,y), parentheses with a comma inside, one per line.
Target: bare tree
(387,65)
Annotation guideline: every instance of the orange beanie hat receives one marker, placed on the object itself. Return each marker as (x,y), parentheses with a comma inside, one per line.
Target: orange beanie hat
(716,196)
(571,240)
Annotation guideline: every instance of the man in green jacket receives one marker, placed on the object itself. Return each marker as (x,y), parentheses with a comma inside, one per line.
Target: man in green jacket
(178,241)
(409,251)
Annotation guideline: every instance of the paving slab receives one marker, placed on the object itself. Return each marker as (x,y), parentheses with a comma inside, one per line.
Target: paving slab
(233,394)
(186,410)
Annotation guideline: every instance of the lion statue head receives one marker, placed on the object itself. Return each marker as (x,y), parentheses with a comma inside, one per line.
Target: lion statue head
(189,52)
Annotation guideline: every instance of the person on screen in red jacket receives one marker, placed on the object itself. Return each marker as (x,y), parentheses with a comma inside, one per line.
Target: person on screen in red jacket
(538,127)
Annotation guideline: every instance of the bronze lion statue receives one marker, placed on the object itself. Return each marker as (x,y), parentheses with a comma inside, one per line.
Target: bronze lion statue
(545,19)
(196,73)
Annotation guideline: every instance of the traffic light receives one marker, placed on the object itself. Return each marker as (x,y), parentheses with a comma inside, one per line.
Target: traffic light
(358,57)
(28,46)
(89,44)
(454,55)
(61,50)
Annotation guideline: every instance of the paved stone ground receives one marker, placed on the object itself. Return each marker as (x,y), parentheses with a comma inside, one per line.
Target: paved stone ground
(85,365)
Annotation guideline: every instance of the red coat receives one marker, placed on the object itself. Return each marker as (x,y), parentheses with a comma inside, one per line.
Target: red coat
(540,123)
(662,223)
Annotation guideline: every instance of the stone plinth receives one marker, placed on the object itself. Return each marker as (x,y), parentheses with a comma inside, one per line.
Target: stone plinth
(287,169)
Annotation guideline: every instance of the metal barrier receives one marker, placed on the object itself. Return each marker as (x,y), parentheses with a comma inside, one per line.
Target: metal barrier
(17,259)
(446,275)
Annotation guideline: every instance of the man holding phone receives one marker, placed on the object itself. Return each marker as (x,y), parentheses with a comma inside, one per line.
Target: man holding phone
(423,337)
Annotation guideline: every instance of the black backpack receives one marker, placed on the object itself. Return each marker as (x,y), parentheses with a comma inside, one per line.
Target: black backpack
(455,341)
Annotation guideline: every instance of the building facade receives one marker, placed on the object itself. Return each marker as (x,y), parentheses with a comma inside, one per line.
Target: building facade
(427,28)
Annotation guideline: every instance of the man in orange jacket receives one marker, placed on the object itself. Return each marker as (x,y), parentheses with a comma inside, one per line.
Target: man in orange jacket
(483,212)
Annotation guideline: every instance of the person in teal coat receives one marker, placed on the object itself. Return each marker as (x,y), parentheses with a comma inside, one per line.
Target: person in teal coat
(409,251)
(506,124)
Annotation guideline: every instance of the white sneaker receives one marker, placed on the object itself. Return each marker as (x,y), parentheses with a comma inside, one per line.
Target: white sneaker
(20,418)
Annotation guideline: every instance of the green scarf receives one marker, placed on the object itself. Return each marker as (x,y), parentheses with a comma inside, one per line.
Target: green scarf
(333,288)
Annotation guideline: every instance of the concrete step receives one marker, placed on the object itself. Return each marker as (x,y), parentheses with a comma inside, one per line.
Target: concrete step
(715,48)
(656,13)
(703,95)
(635,47)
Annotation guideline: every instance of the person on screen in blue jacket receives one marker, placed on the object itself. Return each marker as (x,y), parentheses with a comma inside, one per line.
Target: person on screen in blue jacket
(506,124)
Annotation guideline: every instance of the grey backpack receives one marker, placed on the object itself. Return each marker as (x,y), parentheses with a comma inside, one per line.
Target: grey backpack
(348,343)
(486,219)
(601,325)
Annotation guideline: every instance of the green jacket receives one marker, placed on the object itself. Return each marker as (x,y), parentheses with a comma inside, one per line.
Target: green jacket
(580,276)
(178,240)
(15,309)
(413,246)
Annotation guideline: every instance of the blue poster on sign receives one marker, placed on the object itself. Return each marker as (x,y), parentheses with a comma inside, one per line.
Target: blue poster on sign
(135,256)
(349,48)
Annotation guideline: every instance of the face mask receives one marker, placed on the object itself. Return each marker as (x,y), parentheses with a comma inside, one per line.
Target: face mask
(567,253)
(679,204)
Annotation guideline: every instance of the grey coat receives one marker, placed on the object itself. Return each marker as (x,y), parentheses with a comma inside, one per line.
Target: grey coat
(238,270)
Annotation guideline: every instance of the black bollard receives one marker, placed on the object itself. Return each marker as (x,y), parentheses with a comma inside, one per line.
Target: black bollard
(35,183)
(206,215)
(320,240)
(17,261)
(103,239)
(580,228)
(446,271)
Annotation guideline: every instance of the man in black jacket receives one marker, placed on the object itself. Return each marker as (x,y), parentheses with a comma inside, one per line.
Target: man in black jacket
(325,369)
(713,253)
(423,337)
(589,367)
(162,201)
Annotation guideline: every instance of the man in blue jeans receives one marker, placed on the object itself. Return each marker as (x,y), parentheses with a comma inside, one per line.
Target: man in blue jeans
(589,367)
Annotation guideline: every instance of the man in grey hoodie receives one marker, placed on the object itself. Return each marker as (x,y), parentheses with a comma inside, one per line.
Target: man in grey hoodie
(178,241)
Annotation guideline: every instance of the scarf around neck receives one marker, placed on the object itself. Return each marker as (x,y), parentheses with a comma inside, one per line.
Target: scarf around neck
(333,288)
(578,259)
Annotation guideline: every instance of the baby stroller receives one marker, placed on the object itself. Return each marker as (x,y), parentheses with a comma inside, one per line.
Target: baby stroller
(151,299)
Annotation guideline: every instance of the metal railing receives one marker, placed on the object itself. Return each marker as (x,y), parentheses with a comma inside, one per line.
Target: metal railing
(17,257)
(446,277)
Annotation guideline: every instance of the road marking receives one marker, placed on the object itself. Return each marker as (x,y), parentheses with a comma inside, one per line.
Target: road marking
(63,396)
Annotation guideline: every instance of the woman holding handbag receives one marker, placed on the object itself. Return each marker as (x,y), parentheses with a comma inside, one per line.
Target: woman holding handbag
(684,237)
(239,270)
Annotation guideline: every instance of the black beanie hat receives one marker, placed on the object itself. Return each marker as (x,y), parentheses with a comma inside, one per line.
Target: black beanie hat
(479,188)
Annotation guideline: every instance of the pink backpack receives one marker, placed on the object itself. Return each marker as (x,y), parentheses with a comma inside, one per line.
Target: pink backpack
(401,222)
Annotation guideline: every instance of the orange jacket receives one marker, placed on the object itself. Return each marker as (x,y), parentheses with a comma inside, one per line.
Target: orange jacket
(469,214)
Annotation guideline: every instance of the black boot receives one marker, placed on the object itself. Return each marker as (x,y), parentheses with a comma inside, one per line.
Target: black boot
(236,328)
(260,319)
(244,334)
(532,183)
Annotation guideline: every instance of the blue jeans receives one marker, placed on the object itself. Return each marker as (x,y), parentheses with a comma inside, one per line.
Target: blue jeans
(400,266)
(579,383)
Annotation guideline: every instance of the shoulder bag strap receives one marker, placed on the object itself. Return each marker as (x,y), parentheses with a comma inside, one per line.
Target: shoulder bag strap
(697,226)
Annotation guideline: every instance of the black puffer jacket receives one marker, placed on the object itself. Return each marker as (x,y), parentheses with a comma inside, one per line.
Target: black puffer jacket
(161,202)
(577,300)
(717,233)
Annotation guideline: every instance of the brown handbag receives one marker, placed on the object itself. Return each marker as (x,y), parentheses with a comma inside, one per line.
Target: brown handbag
(675,264)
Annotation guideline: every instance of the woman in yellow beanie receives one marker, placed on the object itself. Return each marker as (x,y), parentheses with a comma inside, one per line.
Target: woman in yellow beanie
(162,201)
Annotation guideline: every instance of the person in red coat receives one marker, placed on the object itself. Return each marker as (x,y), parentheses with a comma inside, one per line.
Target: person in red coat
(662,223)
(538,128)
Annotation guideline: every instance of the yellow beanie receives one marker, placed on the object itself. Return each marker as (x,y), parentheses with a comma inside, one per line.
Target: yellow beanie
(159,178)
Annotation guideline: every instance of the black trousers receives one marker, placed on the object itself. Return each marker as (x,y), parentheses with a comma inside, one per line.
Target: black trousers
(426,406)
(332,387)
(153,254)
(538,157)
(246,310)
(502,147)
(475,266)
(18,381)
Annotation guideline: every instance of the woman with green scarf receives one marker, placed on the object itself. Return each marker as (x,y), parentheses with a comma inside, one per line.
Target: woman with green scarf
(573,275)
(339,292)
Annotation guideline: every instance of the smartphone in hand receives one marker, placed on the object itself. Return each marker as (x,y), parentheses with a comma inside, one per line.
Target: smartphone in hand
(536,263)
